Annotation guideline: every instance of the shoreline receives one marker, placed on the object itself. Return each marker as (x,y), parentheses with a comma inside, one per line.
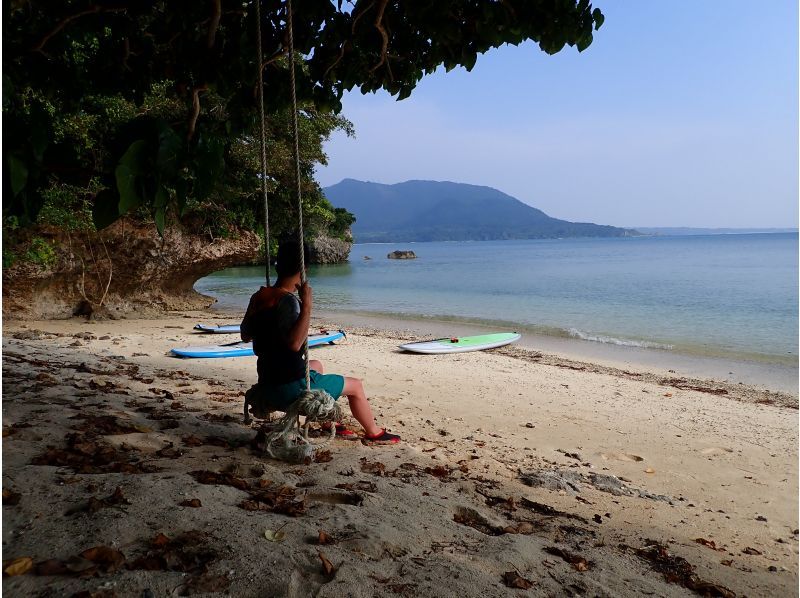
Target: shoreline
(666,363)
(562,468)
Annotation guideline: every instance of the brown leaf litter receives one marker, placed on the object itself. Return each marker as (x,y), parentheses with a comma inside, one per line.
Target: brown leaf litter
(678,570)
(86,454)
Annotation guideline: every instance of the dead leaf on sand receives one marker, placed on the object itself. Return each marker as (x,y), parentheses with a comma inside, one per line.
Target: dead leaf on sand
(327,566)
(159,541)
(52,567)
(18,566)
(512,579)
(10,498)
(95,504)
(362,485)
(439,471)
(473,519)
(274,535)
(708,543)
(275,500)
(106,558)
(523,528)
(322,456)
(225,479)
(188,552)
(325,539)
(191,502)
(578,562)
(373,467)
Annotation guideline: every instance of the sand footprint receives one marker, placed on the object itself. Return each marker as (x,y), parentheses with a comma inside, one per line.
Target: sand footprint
(621,457)
(715,450)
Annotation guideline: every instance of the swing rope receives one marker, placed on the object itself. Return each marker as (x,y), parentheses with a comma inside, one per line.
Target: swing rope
(263,138)
(298,191)
(288,440)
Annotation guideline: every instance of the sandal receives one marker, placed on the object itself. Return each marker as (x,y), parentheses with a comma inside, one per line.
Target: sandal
(382,437)
(342,431)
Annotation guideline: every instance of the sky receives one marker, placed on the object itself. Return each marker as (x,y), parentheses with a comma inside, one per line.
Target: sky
(679,114)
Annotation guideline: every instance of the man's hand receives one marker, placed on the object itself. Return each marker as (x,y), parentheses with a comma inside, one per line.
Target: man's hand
(304,292)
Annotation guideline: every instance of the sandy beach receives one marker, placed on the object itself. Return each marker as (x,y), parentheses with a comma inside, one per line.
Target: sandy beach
(520,471)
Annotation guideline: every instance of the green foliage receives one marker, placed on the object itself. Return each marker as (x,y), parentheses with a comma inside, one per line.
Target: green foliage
(152,105)
(41,253)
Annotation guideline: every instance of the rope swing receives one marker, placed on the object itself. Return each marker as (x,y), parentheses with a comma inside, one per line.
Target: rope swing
(287,440)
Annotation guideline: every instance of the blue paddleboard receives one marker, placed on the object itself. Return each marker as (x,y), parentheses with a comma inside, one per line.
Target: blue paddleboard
(242,349)
(228,329)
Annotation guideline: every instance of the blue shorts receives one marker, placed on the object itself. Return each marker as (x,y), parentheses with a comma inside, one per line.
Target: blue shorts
(278,398)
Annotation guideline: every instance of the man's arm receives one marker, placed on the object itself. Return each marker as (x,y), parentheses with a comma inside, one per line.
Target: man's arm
(299,330)
(246,325)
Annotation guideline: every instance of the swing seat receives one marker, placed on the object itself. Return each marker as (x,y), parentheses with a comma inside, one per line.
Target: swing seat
(257,404)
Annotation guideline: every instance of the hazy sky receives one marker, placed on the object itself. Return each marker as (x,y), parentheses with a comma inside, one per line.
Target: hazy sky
(679,114)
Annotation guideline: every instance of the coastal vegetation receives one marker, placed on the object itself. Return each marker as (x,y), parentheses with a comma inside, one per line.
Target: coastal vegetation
(147,115)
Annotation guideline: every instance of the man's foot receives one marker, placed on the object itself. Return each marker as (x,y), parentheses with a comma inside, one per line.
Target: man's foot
(382,437)
(342,431)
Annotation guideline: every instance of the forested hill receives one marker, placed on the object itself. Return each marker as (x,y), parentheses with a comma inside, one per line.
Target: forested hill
(445,211)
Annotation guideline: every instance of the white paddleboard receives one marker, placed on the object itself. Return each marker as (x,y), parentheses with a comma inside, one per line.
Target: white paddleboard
(462,344)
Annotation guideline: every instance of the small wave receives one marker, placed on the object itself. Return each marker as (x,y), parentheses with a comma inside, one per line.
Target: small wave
(610,340)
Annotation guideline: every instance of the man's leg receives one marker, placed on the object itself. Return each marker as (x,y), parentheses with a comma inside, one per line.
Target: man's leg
(354,391)
(316,365)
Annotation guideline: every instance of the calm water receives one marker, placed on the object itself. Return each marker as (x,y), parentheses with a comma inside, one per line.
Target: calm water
(725,295)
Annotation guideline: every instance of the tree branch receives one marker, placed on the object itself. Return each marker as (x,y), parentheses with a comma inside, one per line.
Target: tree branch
(214,24)
(384,35)
(93,9)
(195,110)
(359,15)
(344,47)
(277,56)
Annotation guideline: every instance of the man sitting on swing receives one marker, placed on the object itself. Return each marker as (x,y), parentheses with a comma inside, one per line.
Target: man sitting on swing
(277,323)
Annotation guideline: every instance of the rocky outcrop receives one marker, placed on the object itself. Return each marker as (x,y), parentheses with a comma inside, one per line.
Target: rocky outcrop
(328,250)
(126,267)
(402,255)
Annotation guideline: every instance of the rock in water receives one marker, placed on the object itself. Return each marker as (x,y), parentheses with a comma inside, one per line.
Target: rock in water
(401,255)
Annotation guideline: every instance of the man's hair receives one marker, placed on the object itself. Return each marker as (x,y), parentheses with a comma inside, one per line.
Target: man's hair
(288,262)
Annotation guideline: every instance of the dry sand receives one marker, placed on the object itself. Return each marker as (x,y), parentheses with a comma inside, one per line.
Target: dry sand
(582,479)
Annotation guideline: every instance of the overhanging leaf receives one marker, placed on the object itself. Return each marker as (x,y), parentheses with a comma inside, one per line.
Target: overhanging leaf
(105,209)
(131,167)
(169,149)
(208,166)
(18,173)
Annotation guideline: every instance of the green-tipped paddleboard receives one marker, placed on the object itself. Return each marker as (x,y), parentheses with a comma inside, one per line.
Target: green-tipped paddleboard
(462,344)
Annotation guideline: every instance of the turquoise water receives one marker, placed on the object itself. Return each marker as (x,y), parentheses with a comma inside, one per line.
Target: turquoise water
(723,295)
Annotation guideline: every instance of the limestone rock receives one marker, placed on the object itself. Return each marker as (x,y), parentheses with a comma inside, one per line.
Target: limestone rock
(328,250)
(402,255)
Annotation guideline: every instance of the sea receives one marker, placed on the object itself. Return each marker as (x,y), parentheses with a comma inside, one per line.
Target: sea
(728,296)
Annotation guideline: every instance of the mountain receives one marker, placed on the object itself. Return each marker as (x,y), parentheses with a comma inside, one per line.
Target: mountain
(445,211)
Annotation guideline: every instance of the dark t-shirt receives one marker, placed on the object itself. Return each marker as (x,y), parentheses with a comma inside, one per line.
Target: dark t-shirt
(269,327)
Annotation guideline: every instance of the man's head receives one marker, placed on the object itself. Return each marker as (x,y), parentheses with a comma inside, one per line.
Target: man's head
(288,262)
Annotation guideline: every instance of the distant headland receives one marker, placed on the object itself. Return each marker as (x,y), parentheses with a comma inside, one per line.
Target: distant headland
(446,211)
